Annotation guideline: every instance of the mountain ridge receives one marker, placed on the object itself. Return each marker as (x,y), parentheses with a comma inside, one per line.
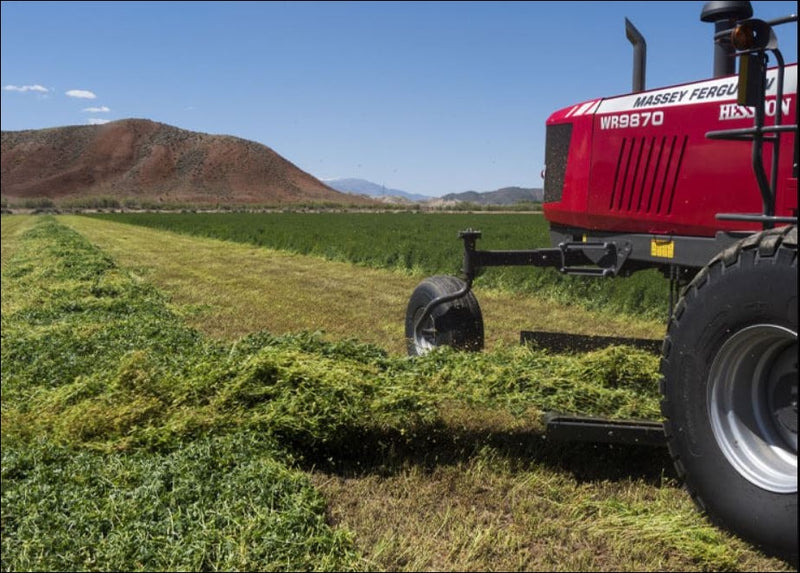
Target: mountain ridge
(147,161)
(503,196)
(365,187)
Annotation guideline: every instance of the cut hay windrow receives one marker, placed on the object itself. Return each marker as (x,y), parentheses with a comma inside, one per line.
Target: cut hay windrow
(91,355)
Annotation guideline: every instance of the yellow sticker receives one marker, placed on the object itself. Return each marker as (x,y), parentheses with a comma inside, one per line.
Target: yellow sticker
(664,248)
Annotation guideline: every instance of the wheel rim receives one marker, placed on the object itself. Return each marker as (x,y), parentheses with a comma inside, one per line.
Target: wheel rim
(753,405)
(425,336)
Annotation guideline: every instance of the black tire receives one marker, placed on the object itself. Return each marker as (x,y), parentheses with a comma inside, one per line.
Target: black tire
(458,323)
(729,388)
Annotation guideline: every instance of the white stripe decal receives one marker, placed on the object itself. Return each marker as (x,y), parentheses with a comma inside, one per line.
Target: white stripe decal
(585,107)
(595,106)
(716,90)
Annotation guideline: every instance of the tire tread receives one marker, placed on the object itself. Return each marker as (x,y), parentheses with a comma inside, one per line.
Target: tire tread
(777,244)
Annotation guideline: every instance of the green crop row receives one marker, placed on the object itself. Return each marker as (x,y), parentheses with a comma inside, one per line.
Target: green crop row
(424,244)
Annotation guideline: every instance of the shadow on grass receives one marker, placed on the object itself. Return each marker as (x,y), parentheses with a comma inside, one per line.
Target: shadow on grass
(388,452)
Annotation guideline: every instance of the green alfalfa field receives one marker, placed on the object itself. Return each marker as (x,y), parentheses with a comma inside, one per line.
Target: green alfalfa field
(176,402)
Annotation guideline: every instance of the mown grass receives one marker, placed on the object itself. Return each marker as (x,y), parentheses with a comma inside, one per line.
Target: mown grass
(422,244)
(132,442)
(11,228)
(217,503)
(227,290)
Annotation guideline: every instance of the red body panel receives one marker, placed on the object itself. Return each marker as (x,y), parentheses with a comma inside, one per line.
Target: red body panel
(641,163)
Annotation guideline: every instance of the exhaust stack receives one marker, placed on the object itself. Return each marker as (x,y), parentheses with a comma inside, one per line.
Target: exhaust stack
(724,15)
(639,56)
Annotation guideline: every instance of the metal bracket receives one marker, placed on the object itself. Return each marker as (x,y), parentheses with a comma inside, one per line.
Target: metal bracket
(609,257)
(601,430)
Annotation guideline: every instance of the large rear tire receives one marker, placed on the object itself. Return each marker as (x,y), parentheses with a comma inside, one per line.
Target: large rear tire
(729,387)
(458,323)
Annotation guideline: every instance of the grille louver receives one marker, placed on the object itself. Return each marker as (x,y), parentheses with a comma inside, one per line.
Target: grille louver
(646,174)
(555,157)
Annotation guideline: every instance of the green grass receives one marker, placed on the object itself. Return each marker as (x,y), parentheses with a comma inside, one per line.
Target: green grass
(228,290)
(132,442)
(217,503)
(12,227)
(110,460)
(422,244)
(81,336)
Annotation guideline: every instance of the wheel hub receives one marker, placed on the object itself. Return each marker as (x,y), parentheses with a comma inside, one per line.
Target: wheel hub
(752,405)
(425,334)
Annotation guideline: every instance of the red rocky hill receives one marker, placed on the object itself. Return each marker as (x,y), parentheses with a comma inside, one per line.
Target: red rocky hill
(151,163)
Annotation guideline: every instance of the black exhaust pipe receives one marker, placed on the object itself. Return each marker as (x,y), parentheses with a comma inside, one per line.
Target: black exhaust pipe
(724,15)
(639,56)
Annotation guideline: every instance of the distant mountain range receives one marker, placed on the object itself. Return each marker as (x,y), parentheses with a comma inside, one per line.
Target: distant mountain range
(364,187)
(504,196)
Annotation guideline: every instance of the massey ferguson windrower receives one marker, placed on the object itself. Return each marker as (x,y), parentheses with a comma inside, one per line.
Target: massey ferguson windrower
(698,180)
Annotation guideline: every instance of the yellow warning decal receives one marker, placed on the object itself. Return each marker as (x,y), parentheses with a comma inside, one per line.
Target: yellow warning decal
(664,248)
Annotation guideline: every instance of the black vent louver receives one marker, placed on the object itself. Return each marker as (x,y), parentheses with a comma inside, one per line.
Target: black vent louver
(647,174)
(555,157)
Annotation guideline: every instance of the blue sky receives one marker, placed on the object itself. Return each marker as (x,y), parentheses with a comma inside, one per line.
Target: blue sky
(427,97)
